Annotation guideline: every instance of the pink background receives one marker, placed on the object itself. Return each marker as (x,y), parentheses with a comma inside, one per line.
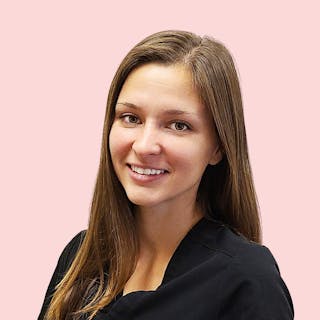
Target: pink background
(57,61)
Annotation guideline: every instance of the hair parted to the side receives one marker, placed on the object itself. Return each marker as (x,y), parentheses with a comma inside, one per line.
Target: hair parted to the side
(226,192)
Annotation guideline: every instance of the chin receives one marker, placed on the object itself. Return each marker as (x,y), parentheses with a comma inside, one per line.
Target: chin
(144,200)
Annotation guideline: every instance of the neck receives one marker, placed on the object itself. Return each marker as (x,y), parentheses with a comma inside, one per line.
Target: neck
(160,230)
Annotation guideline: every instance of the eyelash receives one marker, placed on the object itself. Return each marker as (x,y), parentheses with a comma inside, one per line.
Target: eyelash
(126,119)
(186,126)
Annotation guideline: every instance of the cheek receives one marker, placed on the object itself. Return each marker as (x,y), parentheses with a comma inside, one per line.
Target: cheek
(187,162)
(114,143)
(189,153)
(119,143)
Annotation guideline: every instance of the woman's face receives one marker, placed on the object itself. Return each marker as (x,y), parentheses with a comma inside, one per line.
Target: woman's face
(162,137)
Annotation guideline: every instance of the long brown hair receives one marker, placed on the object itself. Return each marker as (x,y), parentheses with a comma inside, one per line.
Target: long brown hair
(226,191)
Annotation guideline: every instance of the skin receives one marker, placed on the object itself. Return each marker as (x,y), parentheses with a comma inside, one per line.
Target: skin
(160,123)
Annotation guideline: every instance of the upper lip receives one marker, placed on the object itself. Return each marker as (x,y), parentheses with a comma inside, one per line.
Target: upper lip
(146,166)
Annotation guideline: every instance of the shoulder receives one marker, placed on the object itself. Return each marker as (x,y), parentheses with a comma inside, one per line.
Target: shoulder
(246,254)
(251,282)
(75,242)
(238,257)
(69,252)
(65,260)
(247,261)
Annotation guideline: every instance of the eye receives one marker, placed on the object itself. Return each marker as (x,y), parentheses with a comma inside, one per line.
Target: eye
(130,119)
(179,126)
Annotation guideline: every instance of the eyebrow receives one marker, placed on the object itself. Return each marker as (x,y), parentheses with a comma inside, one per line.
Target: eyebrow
(168,112)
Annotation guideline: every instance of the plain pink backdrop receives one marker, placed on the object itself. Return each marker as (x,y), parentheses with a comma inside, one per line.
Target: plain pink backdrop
(57,61)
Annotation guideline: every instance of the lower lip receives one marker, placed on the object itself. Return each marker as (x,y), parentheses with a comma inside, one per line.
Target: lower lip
(144,178)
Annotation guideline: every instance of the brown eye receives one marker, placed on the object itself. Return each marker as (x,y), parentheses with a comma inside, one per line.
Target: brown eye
(130,118)
(179,126)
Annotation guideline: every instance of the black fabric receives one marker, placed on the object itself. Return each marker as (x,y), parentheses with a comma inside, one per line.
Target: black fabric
(63,264)
(213,274)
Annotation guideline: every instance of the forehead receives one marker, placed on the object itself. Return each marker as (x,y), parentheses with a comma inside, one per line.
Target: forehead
(162,85)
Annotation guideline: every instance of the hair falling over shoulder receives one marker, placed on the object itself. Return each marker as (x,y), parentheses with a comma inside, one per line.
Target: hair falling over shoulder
(226,191)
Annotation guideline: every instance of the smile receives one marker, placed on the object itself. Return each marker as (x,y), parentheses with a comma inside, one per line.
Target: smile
(147,171)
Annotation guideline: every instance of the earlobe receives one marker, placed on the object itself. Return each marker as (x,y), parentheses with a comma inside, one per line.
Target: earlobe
(216,156)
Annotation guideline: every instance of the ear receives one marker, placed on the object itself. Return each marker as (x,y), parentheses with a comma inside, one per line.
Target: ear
(216,156)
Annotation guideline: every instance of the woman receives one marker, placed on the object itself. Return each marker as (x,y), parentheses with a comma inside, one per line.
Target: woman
(174,230)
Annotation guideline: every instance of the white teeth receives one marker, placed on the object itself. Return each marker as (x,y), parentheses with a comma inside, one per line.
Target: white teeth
(139,170)
(146,171)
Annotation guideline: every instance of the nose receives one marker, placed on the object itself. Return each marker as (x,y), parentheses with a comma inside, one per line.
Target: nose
(147,141)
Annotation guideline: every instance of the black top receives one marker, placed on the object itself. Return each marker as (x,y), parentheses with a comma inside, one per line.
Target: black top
(213,274)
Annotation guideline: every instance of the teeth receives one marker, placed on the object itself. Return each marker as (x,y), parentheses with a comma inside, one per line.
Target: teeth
(146,171)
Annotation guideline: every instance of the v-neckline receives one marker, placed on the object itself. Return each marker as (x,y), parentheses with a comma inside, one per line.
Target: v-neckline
(168,273)
(201,237)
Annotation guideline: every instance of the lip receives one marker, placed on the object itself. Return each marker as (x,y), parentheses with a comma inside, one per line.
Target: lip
(143,178)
